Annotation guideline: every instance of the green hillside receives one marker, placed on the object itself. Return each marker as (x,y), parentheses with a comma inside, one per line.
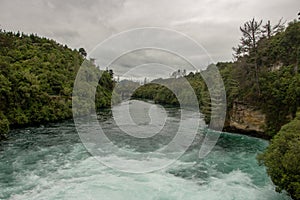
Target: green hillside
(36,81)
(266,78)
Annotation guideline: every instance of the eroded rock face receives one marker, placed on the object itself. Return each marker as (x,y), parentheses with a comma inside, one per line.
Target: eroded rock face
(245,118)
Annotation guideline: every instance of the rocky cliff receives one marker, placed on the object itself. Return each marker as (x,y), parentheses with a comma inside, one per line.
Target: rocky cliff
(246,119)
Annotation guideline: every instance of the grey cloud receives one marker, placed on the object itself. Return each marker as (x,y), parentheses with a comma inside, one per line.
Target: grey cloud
(81,23)
(66,33)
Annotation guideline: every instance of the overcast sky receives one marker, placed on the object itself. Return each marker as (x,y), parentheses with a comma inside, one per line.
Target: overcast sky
(85,23)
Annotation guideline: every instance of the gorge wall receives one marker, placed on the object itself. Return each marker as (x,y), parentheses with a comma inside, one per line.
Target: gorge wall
(246,119)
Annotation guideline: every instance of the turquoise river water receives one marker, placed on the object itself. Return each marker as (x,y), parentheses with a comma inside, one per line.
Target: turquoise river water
(50,162)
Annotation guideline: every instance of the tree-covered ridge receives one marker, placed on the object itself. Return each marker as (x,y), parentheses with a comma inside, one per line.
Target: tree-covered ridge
(267,78)
(159,93)
(36,80)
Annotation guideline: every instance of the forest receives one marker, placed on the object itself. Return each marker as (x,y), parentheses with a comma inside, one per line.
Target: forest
(36,80)
(265,74)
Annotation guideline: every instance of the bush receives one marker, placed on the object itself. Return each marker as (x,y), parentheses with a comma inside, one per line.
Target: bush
(282,158)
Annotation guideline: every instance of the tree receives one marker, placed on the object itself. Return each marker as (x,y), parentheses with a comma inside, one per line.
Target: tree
(269,30)
(251,34)
(282,158)
(111,73)
(82,52)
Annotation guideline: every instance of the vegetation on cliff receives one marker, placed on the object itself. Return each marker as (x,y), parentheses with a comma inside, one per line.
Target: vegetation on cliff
(282,158)
(264,75)
(36,80)
(268,75)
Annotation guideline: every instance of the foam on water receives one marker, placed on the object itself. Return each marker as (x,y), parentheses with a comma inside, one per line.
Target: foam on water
(89,180)
(47,163)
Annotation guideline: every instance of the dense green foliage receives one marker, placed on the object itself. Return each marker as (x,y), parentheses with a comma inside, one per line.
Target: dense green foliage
(160,93)
(277,90)
(92,89)
(36,80)
(282,158)
(267,79)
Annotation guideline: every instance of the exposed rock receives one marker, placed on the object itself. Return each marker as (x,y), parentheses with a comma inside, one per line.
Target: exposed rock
(246,119)
(277,66)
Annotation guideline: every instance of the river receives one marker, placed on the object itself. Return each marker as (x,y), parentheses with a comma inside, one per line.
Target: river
(50,162)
